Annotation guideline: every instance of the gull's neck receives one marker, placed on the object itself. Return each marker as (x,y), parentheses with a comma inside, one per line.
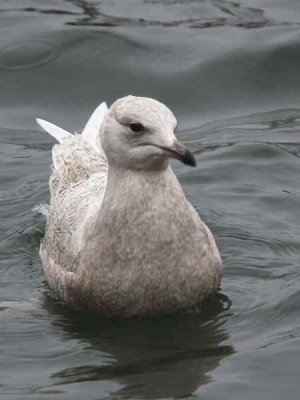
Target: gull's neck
(135,186)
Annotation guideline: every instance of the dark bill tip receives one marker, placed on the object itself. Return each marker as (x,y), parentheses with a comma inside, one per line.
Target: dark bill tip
(181,153)
(188,158)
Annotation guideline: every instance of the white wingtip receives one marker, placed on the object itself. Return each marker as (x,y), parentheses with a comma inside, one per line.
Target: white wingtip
(58,133)
(92,128)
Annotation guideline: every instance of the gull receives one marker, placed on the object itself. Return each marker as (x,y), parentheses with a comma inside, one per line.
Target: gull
(121,238)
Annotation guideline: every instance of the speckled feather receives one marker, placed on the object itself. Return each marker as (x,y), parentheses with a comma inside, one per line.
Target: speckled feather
(121,237)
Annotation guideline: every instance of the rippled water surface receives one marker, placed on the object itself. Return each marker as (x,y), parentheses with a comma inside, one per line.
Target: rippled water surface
(230,70)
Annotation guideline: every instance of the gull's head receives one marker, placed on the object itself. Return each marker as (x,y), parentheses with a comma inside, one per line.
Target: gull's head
(138,133)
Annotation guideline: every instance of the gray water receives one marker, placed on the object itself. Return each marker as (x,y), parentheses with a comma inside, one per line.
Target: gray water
(230,71)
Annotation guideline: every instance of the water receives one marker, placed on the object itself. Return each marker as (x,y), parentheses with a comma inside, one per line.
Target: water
(231,73)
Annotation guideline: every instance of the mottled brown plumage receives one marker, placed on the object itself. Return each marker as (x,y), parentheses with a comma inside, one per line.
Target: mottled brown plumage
(121,237)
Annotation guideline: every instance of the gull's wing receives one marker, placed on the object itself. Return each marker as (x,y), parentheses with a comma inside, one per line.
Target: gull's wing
(92,127)
(89,133)
(76,157)
(58,133)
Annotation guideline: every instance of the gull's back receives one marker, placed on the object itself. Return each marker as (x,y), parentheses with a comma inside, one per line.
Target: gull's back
(77,185)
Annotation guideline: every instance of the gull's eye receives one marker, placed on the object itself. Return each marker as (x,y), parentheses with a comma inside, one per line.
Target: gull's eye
(136,127)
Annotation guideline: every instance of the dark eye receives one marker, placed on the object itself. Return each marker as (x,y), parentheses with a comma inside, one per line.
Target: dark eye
(136,127)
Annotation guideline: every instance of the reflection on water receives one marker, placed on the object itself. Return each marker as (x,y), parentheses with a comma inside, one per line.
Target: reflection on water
(217,13)
(159,357)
